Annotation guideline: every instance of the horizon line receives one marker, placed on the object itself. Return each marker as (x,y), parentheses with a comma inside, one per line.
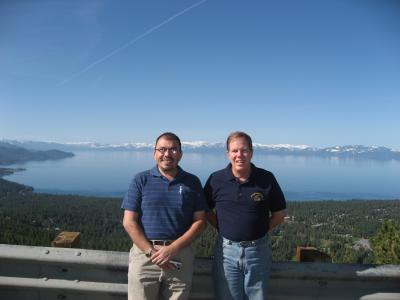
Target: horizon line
(303,146)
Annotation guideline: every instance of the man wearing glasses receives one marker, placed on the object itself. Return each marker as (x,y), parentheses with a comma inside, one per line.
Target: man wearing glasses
(248,203)
(164,213)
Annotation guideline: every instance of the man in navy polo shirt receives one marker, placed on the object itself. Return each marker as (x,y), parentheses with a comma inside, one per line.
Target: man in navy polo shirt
(164,213)
(248,203)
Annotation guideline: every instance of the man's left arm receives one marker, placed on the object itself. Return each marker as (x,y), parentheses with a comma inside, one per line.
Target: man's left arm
(168,252)
(276,218)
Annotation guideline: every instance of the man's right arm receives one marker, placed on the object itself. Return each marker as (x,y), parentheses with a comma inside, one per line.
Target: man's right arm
(135,231)
(210,215)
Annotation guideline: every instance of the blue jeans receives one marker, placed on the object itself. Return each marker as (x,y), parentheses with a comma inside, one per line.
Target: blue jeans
(241,269)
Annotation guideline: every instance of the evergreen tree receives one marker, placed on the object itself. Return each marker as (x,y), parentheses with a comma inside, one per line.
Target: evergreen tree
(386,244)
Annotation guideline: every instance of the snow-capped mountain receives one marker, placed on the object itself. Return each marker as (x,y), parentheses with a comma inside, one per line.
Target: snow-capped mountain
(359,151)
(348,151)
(78,146)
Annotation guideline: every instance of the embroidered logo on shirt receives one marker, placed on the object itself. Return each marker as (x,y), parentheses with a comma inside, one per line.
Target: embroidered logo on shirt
(257,196)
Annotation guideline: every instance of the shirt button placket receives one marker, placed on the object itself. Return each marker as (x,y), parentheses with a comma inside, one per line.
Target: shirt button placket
(239,193)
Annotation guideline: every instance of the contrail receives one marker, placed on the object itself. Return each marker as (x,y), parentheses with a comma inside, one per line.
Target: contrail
(131,42)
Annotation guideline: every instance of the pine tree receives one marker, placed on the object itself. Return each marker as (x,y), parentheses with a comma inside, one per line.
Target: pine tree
(386,244)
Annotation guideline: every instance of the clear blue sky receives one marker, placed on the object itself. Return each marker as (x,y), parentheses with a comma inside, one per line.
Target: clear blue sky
(320,73)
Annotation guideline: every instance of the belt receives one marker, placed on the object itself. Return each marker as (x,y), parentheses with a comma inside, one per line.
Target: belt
(243,243)
(161,242)
(246,243)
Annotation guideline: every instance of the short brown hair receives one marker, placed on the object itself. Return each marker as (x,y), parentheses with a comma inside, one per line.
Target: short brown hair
(239,134)
(169,136)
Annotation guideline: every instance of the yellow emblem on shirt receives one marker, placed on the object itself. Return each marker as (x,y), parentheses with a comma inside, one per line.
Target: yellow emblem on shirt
(257,196)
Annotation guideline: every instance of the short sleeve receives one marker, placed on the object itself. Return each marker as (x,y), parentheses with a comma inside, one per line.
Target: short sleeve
(208,194)
(278,201)
(133,198)
(200,203)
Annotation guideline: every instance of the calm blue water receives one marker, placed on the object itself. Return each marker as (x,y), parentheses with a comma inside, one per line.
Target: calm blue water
(301,178)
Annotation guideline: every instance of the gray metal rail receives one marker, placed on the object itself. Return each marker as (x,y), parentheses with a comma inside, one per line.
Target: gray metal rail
(61,273)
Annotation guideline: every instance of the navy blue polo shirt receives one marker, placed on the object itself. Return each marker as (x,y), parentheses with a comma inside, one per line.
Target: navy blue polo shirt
(165,207)
(243,209)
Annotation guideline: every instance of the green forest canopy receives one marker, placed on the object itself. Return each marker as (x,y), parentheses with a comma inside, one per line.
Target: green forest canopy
(354,231)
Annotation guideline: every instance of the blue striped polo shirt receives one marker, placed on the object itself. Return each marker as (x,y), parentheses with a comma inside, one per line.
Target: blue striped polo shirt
(165,207)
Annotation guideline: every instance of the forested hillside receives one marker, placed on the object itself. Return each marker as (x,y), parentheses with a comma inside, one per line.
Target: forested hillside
(343,229)
(10,154)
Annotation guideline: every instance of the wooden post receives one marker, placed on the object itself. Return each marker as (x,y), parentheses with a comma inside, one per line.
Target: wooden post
(67,239)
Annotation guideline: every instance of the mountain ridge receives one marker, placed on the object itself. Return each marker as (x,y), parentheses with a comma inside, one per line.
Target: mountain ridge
(11,153)
(346,151)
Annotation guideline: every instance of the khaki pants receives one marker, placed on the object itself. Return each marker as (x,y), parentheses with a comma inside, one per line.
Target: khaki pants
(147,281)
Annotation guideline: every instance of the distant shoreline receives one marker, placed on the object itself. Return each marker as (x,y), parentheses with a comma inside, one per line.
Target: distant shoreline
(9,171)
(120,194)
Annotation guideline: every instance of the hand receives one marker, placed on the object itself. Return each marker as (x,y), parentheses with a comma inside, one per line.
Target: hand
(154,250)
(162,256)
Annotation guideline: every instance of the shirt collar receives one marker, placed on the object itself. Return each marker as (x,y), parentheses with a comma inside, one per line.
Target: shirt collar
(229,175)
(156,172)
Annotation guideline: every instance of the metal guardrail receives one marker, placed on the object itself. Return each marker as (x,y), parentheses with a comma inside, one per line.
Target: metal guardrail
(60,273)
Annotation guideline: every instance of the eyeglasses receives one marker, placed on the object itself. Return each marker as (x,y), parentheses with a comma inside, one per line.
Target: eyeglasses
(164,150)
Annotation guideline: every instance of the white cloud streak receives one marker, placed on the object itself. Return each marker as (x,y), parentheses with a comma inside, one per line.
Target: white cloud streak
(130,43)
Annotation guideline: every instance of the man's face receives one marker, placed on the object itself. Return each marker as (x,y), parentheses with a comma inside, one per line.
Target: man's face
(239,154)
(167,154)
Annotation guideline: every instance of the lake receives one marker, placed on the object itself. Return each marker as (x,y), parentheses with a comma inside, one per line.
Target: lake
(108,173)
